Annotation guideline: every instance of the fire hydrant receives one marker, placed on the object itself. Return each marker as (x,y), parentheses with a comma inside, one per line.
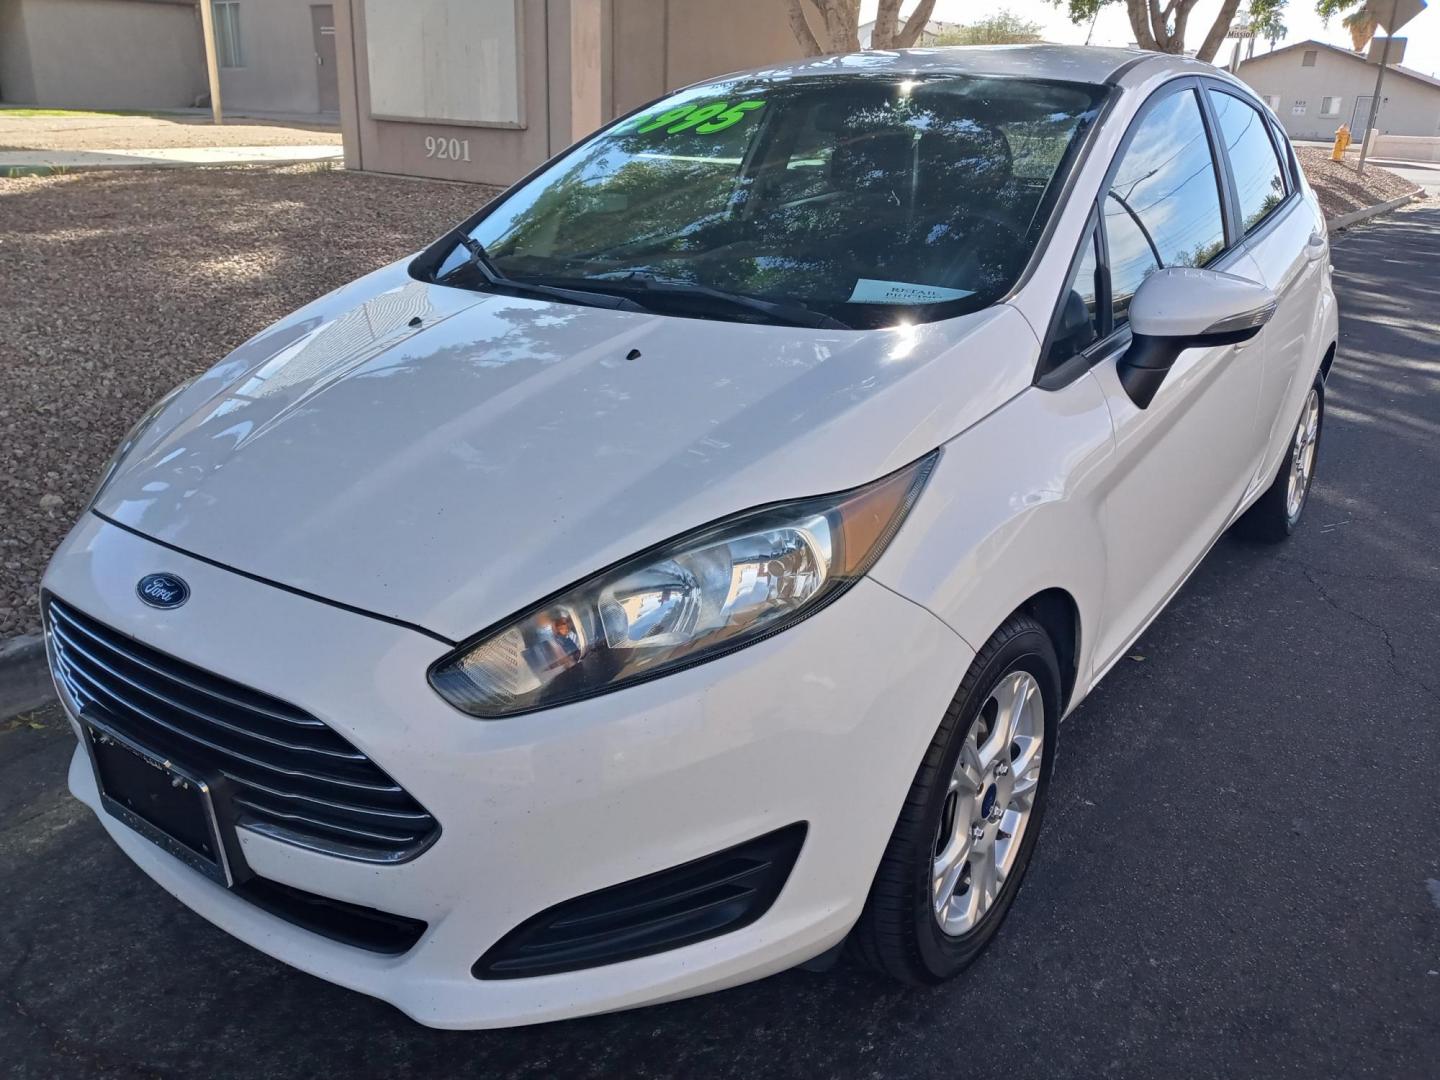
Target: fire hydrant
(1342,141)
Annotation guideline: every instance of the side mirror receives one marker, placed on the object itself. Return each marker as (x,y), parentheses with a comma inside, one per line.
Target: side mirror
(1185,308)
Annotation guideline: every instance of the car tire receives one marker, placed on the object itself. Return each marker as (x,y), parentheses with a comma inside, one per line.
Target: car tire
(1276,514)
(916,927)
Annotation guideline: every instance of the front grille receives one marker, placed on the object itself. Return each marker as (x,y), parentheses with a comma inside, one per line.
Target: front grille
(292,777)
(679,906)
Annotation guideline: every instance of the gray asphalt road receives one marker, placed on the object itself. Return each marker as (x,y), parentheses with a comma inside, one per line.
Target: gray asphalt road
(1240,875)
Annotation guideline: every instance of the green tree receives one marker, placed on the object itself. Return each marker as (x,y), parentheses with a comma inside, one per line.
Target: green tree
(1267,19)
(1362,17)
(1002,28)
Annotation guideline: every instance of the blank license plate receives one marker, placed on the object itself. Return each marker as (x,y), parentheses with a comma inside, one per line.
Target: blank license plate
(163,802)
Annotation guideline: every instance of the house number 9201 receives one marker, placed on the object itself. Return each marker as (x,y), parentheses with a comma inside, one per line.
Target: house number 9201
(447,149)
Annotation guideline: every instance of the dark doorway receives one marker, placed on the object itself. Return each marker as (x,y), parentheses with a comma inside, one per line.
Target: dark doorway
(1360,117)
(322,23)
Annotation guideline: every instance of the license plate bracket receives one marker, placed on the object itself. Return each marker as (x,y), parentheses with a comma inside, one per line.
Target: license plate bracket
(170,805)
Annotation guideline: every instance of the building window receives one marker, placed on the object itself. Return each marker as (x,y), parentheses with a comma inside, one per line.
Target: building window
(1273,102)
(1297,109)
(228,53)
(1330,106)
(1307,59)
(448,60)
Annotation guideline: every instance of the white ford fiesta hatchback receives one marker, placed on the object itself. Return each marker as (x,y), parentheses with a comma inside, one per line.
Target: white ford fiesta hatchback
(681,568)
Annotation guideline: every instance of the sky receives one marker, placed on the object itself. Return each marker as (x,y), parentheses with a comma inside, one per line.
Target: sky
(1422,53)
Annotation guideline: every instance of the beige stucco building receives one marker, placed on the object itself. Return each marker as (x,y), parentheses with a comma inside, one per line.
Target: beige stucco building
(1314,88)
(486,90)
(274,56)
(120,54)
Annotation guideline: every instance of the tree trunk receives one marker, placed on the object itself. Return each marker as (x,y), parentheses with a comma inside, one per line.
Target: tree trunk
(887,24)
(1158,25)
(915,25)
(1139,12)
(1211,45)
(842,24)
(800,27)
(1177,37)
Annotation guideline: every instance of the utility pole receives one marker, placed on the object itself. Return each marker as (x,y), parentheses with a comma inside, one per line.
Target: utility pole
(212,66)
(1379,83)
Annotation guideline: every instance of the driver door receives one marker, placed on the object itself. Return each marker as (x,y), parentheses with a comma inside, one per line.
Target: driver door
(1180,465)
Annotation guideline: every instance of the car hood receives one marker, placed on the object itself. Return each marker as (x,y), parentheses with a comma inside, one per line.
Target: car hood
(444,457)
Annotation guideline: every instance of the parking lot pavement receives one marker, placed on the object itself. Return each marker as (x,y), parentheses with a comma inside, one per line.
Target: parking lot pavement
(1239,876)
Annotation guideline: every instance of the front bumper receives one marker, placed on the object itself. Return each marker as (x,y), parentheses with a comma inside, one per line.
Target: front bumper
(823,724)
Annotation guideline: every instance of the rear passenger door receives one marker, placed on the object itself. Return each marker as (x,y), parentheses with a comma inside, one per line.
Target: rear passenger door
(1182,464)
(1286,238)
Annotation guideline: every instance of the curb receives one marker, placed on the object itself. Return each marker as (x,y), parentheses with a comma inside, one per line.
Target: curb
(1344,221)
(24,676)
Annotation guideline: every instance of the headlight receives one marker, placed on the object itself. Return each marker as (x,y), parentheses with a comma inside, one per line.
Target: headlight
(690,600)
(132,437)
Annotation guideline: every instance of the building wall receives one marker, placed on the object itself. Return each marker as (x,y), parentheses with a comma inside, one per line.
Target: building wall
(496,155)
(1406,147)
(583,62)
(278,47)
(1411,107)
(120,54)
(17,82)
(752,33)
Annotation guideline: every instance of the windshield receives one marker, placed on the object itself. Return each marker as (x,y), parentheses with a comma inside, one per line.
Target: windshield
(865,198)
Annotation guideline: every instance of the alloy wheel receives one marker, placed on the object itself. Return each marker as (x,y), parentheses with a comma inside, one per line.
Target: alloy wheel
(1302,455)
(988,803)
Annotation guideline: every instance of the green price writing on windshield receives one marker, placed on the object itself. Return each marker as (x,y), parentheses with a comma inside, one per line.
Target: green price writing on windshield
(705,119)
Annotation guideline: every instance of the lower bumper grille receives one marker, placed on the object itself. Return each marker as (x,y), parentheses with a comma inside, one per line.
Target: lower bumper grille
(349,924)
(293,777)
(701,899)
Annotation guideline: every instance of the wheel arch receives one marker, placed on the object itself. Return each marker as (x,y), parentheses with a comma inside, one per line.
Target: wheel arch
(1327,362)
(1009,523)
(1056,610)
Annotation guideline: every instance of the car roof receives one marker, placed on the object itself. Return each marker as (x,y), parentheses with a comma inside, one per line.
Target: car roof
(1072,63)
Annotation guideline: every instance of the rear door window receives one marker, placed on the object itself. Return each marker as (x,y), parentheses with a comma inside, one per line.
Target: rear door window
(1259,174)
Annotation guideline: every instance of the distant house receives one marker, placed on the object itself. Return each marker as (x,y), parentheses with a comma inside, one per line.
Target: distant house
(273,55)
(1314,88)
(124,54)
(933,29)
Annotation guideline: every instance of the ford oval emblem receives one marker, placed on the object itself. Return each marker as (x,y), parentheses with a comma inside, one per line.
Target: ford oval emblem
(163,590)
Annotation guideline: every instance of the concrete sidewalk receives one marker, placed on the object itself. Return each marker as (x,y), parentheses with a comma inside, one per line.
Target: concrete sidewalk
(33,161)
(1425,174)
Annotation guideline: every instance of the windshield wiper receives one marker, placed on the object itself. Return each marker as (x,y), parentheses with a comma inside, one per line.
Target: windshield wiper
(792,313)
(482,264)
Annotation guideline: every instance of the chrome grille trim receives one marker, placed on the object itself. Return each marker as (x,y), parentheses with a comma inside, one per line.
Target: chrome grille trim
(294,778)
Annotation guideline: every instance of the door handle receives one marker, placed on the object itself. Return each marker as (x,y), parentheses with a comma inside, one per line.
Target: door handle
(1315,246)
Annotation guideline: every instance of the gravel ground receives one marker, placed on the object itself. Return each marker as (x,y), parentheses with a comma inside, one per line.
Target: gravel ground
(118,285)
(169,271)
(1342,189)
(98,131)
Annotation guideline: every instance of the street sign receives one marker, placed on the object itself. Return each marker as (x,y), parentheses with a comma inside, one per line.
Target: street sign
(1401,12)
